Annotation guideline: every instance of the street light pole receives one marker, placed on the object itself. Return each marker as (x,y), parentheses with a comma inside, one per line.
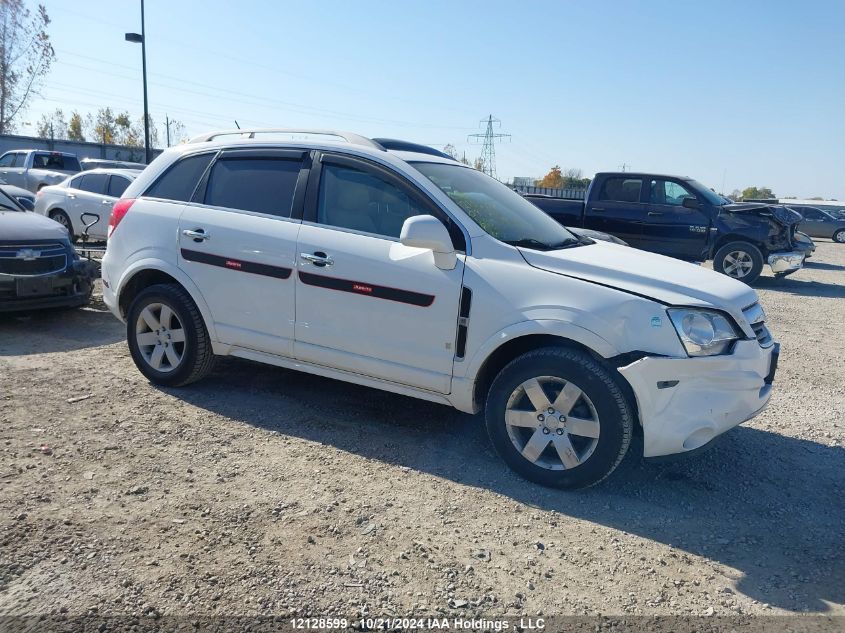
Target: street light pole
(147,151)
(140,38)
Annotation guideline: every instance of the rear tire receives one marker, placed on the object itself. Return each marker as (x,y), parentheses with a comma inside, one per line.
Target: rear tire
(740,260)
(839,236)
(167,336)
(559,418)
(62,218)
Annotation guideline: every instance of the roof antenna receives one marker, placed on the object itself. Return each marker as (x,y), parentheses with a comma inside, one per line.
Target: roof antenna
(236,124)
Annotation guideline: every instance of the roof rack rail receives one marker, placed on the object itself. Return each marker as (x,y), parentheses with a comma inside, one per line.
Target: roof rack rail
(348,137)
(407,146)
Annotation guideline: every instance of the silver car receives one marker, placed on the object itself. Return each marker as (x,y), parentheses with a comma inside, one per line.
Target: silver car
(818,223)
(85,199)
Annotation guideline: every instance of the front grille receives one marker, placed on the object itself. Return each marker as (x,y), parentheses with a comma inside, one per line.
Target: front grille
(757,318)
(32,259)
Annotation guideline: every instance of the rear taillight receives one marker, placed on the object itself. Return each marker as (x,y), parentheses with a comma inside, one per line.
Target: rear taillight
(120,209)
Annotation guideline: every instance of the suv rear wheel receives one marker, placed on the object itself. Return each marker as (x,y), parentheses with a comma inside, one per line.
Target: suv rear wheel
(740,260)
(167,337)
(559,418)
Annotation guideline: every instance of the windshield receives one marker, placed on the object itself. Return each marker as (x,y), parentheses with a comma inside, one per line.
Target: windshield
(711,196)
(7,203)
(501,212)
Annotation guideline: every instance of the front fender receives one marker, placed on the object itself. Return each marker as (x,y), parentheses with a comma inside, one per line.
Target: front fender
(173,271)
(548,327)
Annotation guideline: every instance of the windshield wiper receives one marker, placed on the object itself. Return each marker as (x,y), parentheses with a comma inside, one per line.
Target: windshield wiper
(529,242)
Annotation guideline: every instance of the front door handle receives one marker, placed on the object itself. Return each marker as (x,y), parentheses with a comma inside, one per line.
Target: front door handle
(655,212)
(318,259)
(72,196)
(198,235)
(597,209)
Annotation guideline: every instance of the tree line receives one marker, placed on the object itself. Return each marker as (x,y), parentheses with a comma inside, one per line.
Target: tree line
(106,126)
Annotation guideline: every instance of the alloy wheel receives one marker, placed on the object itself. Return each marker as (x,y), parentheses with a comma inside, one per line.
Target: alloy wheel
(738,264)
(160,337)
(552,423)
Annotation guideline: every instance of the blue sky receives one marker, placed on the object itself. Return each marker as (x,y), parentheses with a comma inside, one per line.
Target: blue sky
(731,93)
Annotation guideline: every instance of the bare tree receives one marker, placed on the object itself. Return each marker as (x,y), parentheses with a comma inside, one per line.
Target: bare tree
(52,125)
(450,149)
(25,58)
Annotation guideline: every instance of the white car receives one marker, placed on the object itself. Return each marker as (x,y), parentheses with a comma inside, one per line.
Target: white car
(406,271)
(85,199)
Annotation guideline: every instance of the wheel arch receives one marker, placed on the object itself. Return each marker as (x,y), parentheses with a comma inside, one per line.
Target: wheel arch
(505,345)
(516,346)
(736,237)
(145,274)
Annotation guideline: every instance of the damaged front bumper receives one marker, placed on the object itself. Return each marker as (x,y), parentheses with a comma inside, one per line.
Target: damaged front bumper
(684,403)
(785,263)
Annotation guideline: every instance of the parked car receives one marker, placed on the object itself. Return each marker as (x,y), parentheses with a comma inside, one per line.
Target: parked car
(106,163)
(818,223)
(39,267)
(412,273)
(804,244)
(32,169)
(24,197)
(85,198)
(682,218)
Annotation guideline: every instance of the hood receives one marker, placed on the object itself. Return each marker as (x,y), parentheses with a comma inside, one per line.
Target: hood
(16,226)
(779,213)
(669,281)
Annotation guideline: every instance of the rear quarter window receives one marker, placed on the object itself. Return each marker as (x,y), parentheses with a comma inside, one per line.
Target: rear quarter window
(621,190)
(180,180)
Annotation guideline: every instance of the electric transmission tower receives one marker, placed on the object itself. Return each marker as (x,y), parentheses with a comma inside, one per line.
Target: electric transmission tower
(488,149)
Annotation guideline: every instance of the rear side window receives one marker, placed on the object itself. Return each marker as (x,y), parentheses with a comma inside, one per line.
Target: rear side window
(178,182)
(263,185)
(8,160)
(95,183)
(621,189)
(117,185)
(48,160)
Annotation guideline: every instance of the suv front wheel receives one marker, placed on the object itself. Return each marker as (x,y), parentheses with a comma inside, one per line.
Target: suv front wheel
(167,337)
(559,418)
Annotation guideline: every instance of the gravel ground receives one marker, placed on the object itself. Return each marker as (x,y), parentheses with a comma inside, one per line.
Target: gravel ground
(264,491)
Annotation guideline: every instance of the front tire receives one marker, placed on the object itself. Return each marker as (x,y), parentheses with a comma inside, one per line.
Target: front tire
(559,418)
(167,336)
(839,236)
(740,260)
(62,218)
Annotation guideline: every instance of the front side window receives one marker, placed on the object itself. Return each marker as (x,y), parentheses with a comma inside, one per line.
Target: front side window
(180,180)
(621,190)
(359,200)
(497,209)
(117,185)
(262,185)
(94,183)
(812,214)
(668,192)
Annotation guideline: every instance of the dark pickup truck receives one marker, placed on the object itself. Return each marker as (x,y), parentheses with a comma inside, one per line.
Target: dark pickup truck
(682,218)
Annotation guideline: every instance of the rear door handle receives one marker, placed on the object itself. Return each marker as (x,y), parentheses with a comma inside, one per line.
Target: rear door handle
(597,209)
(106,202)
(655,212)
(198,235)
(318,259)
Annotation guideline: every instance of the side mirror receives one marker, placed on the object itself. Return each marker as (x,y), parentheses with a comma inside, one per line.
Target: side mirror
(26,203)
(426,231)
(690,203)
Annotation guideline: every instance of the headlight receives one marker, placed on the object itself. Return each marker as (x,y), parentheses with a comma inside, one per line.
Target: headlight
(703,332)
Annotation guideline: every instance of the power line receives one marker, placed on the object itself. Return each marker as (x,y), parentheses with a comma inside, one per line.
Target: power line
(488,149)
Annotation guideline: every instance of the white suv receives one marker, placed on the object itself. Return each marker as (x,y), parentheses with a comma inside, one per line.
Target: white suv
(393,266)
